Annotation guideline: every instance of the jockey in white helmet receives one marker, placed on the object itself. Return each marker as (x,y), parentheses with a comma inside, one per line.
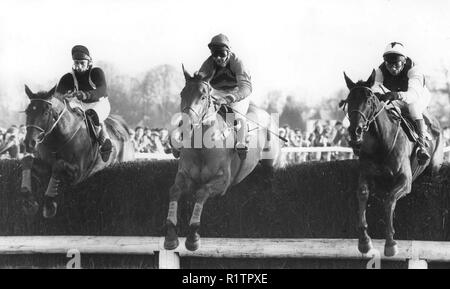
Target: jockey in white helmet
(88,84)
(400,80)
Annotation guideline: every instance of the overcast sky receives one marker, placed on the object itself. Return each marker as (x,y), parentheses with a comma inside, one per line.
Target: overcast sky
(294,46)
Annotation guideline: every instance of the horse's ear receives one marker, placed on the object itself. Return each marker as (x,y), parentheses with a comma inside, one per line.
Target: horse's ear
(29,92)
(371,81)
(349,82)
(187,76)
(51,92)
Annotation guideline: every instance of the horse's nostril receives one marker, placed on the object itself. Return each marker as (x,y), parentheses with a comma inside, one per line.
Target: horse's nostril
(359,130)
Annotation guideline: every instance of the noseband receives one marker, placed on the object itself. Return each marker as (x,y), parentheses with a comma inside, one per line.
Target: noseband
(44,133)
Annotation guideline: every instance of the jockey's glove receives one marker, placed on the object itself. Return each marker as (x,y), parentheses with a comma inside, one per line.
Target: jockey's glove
(230,98)
(389,96)
(81,95)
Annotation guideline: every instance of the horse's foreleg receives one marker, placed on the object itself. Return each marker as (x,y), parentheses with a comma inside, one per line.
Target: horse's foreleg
(29,203)
(402,187)
(216,185)
(181,184)
(50,204)
(364,241)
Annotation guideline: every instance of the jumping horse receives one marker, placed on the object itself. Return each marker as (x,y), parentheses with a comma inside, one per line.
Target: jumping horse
(387,157)
(209,170)
(59,135)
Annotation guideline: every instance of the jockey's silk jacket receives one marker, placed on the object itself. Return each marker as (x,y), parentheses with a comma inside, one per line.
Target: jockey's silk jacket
(92,81)
(410,83)
(233,76)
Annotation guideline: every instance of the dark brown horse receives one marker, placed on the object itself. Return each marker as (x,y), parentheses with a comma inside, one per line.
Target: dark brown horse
(209,166)
(387,157)
(58,135)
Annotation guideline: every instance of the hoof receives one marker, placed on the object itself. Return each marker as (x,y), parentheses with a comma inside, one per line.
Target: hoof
(390,251)
(29,204)
(192,245)
(30,207)
(365,246)
(171,244)
(193,238)
(50,208)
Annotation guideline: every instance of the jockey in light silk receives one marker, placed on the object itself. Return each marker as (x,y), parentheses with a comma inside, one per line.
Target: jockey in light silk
(88,84)
(406,84)
(232,83)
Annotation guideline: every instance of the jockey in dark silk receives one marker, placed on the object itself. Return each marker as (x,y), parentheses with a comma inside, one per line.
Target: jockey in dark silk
(88,84)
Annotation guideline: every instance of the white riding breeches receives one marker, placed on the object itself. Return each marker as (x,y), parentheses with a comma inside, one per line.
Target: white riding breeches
(417,108)
(102,108)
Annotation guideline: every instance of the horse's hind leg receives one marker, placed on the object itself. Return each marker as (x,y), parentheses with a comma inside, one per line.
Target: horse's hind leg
(218,185)
(364,241)
(401,188)
(181,184)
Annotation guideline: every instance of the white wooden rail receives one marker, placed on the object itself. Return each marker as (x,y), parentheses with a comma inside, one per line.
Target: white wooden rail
(163,156)
(416,253)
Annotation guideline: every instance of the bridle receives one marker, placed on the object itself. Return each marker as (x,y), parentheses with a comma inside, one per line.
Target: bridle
(367,119)
(44,133)
(210,99)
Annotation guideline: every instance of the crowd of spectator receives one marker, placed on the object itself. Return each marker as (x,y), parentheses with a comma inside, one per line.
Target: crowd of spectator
(11,142)
(156,141)
(324,134)
(151,140)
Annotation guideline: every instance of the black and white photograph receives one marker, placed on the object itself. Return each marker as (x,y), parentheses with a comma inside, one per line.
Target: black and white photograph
(227,138)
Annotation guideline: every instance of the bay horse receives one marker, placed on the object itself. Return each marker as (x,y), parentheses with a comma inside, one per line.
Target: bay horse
(58,135)
(387,157)
(208,170)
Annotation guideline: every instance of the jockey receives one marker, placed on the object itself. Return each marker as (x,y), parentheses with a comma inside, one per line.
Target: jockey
(88,84)
(406,84)
(233,83)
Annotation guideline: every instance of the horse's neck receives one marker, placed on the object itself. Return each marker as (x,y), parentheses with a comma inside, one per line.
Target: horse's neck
(383,129)
(66,126)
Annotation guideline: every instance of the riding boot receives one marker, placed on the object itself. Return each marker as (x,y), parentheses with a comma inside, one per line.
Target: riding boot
(105,143)
(422,155)
(241,143)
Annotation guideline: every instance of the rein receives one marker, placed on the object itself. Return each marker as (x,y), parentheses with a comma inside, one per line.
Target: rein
(45,133)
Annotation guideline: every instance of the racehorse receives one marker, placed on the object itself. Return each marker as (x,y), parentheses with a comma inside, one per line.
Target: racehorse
(58,134)
(209,170)
(387,157)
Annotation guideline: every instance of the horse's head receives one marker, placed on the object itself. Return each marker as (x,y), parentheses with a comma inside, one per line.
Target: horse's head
(361,106)
(40,117)
(196,97)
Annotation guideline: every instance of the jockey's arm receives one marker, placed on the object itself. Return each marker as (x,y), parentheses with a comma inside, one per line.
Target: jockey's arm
(416,86)
(244,82)
(65,84)
(98,78)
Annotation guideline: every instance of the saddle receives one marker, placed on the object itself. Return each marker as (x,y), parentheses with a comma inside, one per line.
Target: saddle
(409,125)
(88,119)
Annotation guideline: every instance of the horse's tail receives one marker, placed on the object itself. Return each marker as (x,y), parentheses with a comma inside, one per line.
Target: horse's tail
(118,127)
